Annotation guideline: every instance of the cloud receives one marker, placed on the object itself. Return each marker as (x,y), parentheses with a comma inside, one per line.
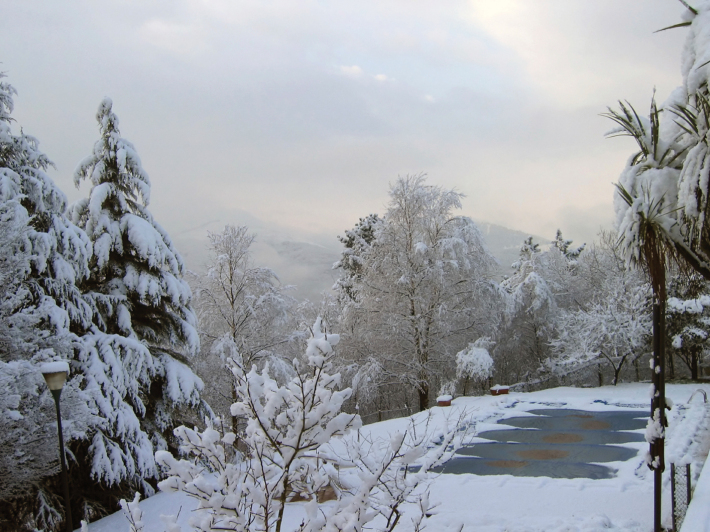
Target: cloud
(251,104)
(181,39)
(353,71)
(572,53)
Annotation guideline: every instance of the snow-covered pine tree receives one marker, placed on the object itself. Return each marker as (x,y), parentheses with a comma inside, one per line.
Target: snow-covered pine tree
(357,241)
(137,351)
(522,343)
(60,250)
(565,247)
(42,256)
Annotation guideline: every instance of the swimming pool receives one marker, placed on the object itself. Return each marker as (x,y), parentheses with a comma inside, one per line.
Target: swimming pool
(557,443)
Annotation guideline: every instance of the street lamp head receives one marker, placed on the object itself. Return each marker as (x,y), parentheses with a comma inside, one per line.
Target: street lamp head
(55,373)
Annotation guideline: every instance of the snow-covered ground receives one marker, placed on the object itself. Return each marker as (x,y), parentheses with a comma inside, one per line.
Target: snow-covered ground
(531,504)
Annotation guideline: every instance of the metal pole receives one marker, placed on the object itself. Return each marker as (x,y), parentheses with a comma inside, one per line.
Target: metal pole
(65,477)
(674,510)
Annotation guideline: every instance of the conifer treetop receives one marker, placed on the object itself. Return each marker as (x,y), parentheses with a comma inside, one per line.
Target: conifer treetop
(138,273)
(115,161)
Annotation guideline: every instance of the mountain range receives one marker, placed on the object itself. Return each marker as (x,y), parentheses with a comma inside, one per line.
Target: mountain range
(306,260)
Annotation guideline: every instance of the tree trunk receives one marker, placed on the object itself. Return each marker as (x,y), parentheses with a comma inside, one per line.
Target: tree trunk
(658,402)
(617,371)
(655,258)
(600,375)
(235,419)
(694,365)
(636,370)
(423,396)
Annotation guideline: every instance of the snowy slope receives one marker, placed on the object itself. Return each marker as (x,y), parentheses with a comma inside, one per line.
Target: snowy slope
(506,503)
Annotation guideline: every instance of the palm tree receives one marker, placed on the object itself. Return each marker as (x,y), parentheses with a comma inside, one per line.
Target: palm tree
(662,207)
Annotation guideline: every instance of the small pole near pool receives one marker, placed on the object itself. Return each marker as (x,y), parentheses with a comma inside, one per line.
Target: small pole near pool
(55,374)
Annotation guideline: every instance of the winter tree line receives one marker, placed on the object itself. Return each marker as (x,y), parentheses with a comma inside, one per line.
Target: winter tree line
(420,309)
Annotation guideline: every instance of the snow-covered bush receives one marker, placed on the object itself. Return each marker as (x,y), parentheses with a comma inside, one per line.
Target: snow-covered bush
(289,453)
(688,323)
(474,362)
(133,513)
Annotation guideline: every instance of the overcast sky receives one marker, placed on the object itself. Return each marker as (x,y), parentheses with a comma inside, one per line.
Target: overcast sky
(301,112)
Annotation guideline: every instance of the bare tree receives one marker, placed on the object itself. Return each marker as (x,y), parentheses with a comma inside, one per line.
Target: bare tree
(243,311)
(424,288)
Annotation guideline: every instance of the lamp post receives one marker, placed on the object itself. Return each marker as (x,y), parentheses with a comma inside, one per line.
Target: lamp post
(55,374)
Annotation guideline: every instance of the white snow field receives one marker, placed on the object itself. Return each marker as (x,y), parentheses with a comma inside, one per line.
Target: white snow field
(506,503)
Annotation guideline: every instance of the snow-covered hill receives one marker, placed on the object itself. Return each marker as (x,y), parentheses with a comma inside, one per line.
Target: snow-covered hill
(306,260)
(475,503)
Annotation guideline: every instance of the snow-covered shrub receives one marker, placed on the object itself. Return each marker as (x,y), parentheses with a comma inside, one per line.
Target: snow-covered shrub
(289,453)
(688,323)
(474,362)
(133,513)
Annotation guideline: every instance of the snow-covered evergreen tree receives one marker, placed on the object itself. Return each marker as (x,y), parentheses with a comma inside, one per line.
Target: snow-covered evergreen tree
(42,257)
(543,283)
(522,342)
(357,241)
(136,352)
(565,247)
(60,251)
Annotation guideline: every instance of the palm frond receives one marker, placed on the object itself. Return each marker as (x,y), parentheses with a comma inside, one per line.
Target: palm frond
(679,25)
(689,7)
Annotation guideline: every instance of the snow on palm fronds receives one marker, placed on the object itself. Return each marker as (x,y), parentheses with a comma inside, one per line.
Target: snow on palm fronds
(663,192)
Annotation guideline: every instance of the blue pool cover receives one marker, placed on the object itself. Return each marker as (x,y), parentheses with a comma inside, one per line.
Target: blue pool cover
(557,443)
